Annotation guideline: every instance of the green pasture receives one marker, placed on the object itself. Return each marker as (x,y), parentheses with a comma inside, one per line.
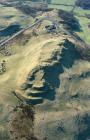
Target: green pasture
(71,2)
(79,13)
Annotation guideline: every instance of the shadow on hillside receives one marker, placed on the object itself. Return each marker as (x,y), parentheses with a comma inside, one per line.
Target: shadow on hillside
(52,81)
(52,73)
(85,134)
(70,22)
(10,30)
(52,78)
(69,54)
(84,4)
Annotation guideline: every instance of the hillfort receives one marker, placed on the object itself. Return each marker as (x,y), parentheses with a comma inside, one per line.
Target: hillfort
(44,70)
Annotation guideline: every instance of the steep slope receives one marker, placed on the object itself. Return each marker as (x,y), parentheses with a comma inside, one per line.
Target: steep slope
(48,68)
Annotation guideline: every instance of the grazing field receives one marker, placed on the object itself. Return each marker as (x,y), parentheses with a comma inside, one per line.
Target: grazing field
(10,15)
(84,22)
(67,8)
(85,33)
(80,14)
(63,2)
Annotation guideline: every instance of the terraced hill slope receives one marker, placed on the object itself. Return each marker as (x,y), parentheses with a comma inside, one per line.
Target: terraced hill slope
(49,67)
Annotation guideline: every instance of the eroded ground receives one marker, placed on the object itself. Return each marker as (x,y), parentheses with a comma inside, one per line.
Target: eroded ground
(45,69)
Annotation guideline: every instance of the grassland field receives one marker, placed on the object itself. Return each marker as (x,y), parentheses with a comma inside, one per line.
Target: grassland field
(79,13)
(11,15)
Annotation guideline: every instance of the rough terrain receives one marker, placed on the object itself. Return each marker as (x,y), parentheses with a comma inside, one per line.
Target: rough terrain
(47,67)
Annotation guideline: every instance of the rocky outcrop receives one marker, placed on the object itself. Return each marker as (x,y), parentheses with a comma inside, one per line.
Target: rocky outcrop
(43,80)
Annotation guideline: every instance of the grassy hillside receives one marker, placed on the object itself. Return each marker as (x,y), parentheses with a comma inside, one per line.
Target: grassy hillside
(84,22)
(63,2)
(47,66)
(11,15)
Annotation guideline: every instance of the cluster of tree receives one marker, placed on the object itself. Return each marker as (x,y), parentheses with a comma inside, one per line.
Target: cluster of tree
(85,4)
(69,20)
